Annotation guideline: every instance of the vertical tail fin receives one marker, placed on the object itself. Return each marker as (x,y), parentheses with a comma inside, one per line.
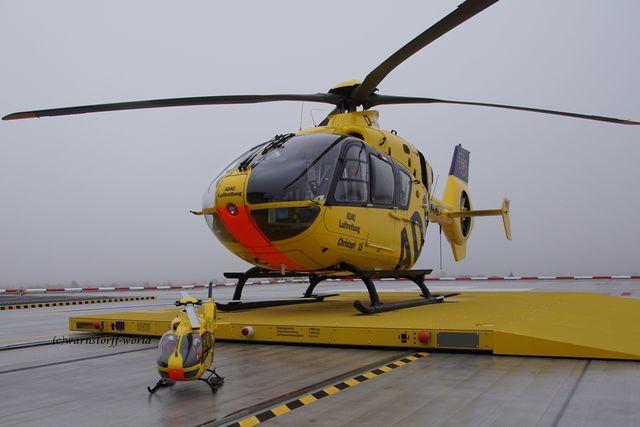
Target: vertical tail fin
(456,197)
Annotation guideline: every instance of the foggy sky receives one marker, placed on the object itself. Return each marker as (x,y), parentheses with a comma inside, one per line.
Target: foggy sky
(105,197)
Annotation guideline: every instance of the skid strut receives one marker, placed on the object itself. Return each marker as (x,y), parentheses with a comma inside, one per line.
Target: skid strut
(255,273)
(367,277)
(214,380)
(377,306)
(162,382)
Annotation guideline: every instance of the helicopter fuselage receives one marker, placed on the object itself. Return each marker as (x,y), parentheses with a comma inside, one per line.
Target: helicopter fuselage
(186,353)
(346,192)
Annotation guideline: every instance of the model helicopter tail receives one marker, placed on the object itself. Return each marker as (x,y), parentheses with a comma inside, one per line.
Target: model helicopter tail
(455,213)
(209,307)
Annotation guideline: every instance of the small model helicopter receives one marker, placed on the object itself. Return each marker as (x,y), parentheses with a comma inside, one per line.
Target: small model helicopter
(344,197)
(186,351)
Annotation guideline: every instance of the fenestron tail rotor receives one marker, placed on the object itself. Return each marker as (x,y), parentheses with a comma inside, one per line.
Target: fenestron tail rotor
(345,97)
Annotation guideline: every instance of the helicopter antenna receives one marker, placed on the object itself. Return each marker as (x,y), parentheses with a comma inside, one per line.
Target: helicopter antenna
(435,185)
(301,112)
(313,119)
(210,294)
(440,249)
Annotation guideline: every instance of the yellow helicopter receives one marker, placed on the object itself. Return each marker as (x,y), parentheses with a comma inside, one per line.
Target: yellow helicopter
(344,197)
(185,352)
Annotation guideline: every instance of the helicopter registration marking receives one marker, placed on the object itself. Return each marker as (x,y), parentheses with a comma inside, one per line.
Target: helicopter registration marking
(348,244)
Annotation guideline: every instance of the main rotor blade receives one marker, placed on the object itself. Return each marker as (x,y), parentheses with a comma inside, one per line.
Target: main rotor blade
(389,100)
(327,98)
(326,119)
(465,11)
(193,317)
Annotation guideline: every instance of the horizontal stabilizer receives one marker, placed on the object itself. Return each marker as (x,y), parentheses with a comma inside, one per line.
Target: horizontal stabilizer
(503,212)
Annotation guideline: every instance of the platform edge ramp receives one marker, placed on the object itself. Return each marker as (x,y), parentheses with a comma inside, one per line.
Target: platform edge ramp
(560,324)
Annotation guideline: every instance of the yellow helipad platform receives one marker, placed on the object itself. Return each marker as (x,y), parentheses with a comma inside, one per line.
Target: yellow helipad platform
(519,323)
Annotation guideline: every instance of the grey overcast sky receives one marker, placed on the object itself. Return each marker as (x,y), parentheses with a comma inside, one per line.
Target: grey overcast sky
(105,197)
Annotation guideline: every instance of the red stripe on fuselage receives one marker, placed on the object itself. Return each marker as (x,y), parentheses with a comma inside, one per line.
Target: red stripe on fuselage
(247,233)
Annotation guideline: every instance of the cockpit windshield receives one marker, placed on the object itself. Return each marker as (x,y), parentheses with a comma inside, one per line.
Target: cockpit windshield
(208,199)
(300,168)
(191,350)
(166,347)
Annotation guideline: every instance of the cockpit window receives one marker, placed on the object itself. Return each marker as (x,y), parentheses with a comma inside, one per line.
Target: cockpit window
(208,199)
(405,188)
(300,168)
(166,347)
(353,186)
(191,350)
(382,185)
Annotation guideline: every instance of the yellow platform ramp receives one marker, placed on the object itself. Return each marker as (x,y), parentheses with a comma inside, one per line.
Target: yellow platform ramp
(558,324)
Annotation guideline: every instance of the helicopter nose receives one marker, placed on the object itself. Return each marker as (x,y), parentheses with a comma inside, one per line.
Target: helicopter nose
(176,374)
(236,218)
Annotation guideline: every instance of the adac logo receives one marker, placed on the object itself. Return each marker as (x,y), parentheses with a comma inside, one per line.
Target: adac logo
(230,191)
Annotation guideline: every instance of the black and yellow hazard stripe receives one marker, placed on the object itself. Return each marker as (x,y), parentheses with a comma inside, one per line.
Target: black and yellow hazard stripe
(74,302)
(327,391)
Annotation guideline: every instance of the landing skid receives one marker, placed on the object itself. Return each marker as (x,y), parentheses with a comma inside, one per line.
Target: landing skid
(367,277)
(236,305)
(377,306)
(162,382)
(381,307)
(214,380)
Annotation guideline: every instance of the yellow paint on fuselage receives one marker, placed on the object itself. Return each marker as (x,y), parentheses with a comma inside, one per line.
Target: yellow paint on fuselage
(207,317)
(365,237)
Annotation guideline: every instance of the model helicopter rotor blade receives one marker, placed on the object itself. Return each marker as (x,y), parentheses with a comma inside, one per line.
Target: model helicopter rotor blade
(193,317)
(184,294)
(465,11)
(394,100)
(327,98)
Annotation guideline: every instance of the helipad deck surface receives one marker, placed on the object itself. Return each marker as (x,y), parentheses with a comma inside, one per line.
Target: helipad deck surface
(562,324)
(99,383)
